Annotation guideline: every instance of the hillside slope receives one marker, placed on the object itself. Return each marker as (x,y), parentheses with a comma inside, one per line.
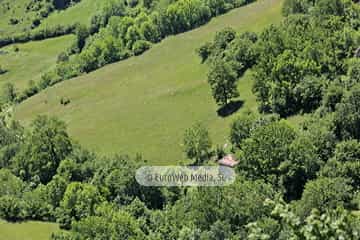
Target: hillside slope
(20,15)
(27,230)
(144,104)
(27,61)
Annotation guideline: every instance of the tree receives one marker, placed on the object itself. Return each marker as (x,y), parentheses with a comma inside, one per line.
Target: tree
(353,73)
(224,37)
(140,46)
(80,201)
(309,93)
(2,70)
(8,94)
(347,116)
(81,32)
(223,82)
(10,184)
(345,163)
(301,166)
(197,143)
(264,154)
(11,208)
(324,194)
(46,145)
(295,6)
(333,95)
(240,129)
(205,51)
(285,224)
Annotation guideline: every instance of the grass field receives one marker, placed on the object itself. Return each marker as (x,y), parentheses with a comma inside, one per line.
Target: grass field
(144,104)
(31,60)
(79,13)
(27,231)
(10,9)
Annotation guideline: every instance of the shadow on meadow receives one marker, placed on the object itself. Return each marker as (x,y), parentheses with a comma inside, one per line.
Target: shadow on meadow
(230,108)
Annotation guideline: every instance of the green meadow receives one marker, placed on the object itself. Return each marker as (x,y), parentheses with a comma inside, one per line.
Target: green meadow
(10,9)
(79,13)
(27,230)
(31,60)
(144,104)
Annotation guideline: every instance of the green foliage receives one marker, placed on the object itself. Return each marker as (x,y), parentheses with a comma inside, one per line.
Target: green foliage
(2,70)
(333,224)
(268,147)
(10,184)
(292,57)
(8,94)
(141,46)
(81,33)
(197,143)
(309,93)
(333,95)
(222,79)
(324,194)
(353,74)
(345,163)
(205,51)
(320,132)
(11,208)
(80,201)
(347,116)
(296,6)
(46,145)
(241,129)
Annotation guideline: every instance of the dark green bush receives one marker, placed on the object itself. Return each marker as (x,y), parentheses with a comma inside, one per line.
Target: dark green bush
(141,46)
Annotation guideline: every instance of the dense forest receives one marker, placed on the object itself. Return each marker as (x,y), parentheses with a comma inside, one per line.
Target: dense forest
(292,183)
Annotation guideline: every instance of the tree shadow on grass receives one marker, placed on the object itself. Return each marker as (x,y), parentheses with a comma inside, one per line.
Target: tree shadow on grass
(230,108)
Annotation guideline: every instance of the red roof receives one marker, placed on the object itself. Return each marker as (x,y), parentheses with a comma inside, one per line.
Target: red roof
(229,161)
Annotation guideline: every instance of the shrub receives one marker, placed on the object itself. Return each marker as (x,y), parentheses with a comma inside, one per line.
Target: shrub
(141,46)
(2,70)
(14,21)
(11,208)
(205,51)
(64,101)
(8,93)
(333,95)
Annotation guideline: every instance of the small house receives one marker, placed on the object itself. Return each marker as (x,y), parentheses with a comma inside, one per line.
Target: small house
(228,161)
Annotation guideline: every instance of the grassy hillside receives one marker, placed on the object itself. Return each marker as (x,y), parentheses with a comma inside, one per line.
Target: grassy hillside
(10,9)
(79,13)
(31,60)
(144,104)
(27,231)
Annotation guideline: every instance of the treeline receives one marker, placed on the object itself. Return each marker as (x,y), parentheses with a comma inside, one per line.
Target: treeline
(127,28)
(37,34)
(291,183)
(299,65)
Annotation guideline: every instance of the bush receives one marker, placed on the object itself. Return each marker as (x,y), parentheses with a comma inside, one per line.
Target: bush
(64,101)
(8,93)
(2,70)
(11,208)
(309,93)
(325,194)
(333,95)
(353,74)
(241,129)
(205,51)
(141,46)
